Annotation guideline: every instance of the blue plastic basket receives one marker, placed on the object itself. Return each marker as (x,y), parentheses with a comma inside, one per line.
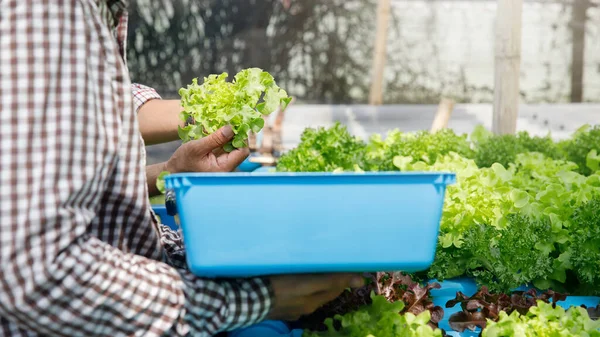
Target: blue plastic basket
(165,218)
(270,169)
(249,224)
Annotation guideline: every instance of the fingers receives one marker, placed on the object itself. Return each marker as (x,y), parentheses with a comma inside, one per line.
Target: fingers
(215,140)
(219,151)
(307,305)
(312,303)
(300,295)
(229,161)
(207,154)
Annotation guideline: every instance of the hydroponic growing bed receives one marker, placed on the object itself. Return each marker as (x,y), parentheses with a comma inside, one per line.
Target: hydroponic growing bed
(524,216)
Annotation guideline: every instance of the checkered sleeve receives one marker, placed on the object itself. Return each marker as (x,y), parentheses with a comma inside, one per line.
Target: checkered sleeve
(254,291)
(142,94)
(78,252)
(174,248)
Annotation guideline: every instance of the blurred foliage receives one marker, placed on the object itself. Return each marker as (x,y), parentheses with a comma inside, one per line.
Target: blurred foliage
(320,51)
(171,42)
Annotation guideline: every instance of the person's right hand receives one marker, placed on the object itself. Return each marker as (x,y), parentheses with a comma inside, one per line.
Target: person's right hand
(207,155)
(299,295)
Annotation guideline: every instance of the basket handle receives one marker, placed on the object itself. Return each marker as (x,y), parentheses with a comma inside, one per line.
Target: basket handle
(170,203)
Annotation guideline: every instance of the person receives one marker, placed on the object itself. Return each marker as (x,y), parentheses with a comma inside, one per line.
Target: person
(81,252)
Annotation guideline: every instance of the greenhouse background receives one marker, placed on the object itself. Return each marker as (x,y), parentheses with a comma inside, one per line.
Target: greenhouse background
(321,51)
(435,47)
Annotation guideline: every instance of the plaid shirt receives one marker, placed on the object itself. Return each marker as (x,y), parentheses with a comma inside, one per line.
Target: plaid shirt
(81,253)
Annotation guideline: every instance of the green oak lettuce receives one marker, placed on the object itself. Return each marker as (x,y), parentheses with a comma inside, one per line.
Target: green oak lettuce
(241,103)
(503,149)
(583,252)
(381,318)
(582,149)
(324,150)
(544,320)
(420,146)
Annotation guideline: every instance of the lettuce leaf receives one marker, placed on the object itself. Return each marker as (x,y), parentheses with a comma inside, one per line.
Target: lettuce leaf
(578,148)
(545,319)
(331,149)
(380,319)
(241,103)
(584,250)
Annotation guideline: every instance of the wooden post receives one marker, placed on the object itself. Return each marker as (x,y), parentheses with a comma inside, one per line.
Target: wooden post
(579,10)
(380,53)
(507,66)
(440,121)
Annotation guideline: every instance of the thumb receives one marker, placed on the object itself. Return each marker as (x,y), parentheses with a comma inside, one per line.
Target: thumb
(216,139)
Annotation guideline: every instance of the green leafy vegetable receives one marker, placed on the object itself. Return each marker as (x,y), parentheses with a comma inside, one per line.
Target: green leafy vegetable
(380,319)
(393,286)
(579,147)
(498,149)
(503,149)
(506,258)
(242,104)
(480,196)
(324,150)
(584,250)
(420,146)
(544,320)
(543,145)
(476,236)
(160,182)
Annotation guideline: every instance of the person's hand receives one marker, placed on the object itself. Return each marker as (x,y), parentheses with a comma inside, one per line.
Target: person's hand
(207,155)
(299,295)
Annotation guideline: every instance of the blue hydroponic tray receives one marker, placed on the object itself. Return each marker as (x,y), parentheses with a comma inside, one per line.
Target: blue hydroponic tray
(468,286)
(447,292)
(264,223)
(588,301)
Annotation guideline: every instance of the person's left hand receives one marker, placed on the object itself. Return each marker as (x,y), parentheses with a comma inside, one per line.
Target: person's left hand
(207,154)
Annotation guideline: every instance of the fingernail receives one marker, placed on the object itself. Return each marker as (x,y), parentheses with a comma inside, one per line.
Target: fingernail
(227,131)
(357,282)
